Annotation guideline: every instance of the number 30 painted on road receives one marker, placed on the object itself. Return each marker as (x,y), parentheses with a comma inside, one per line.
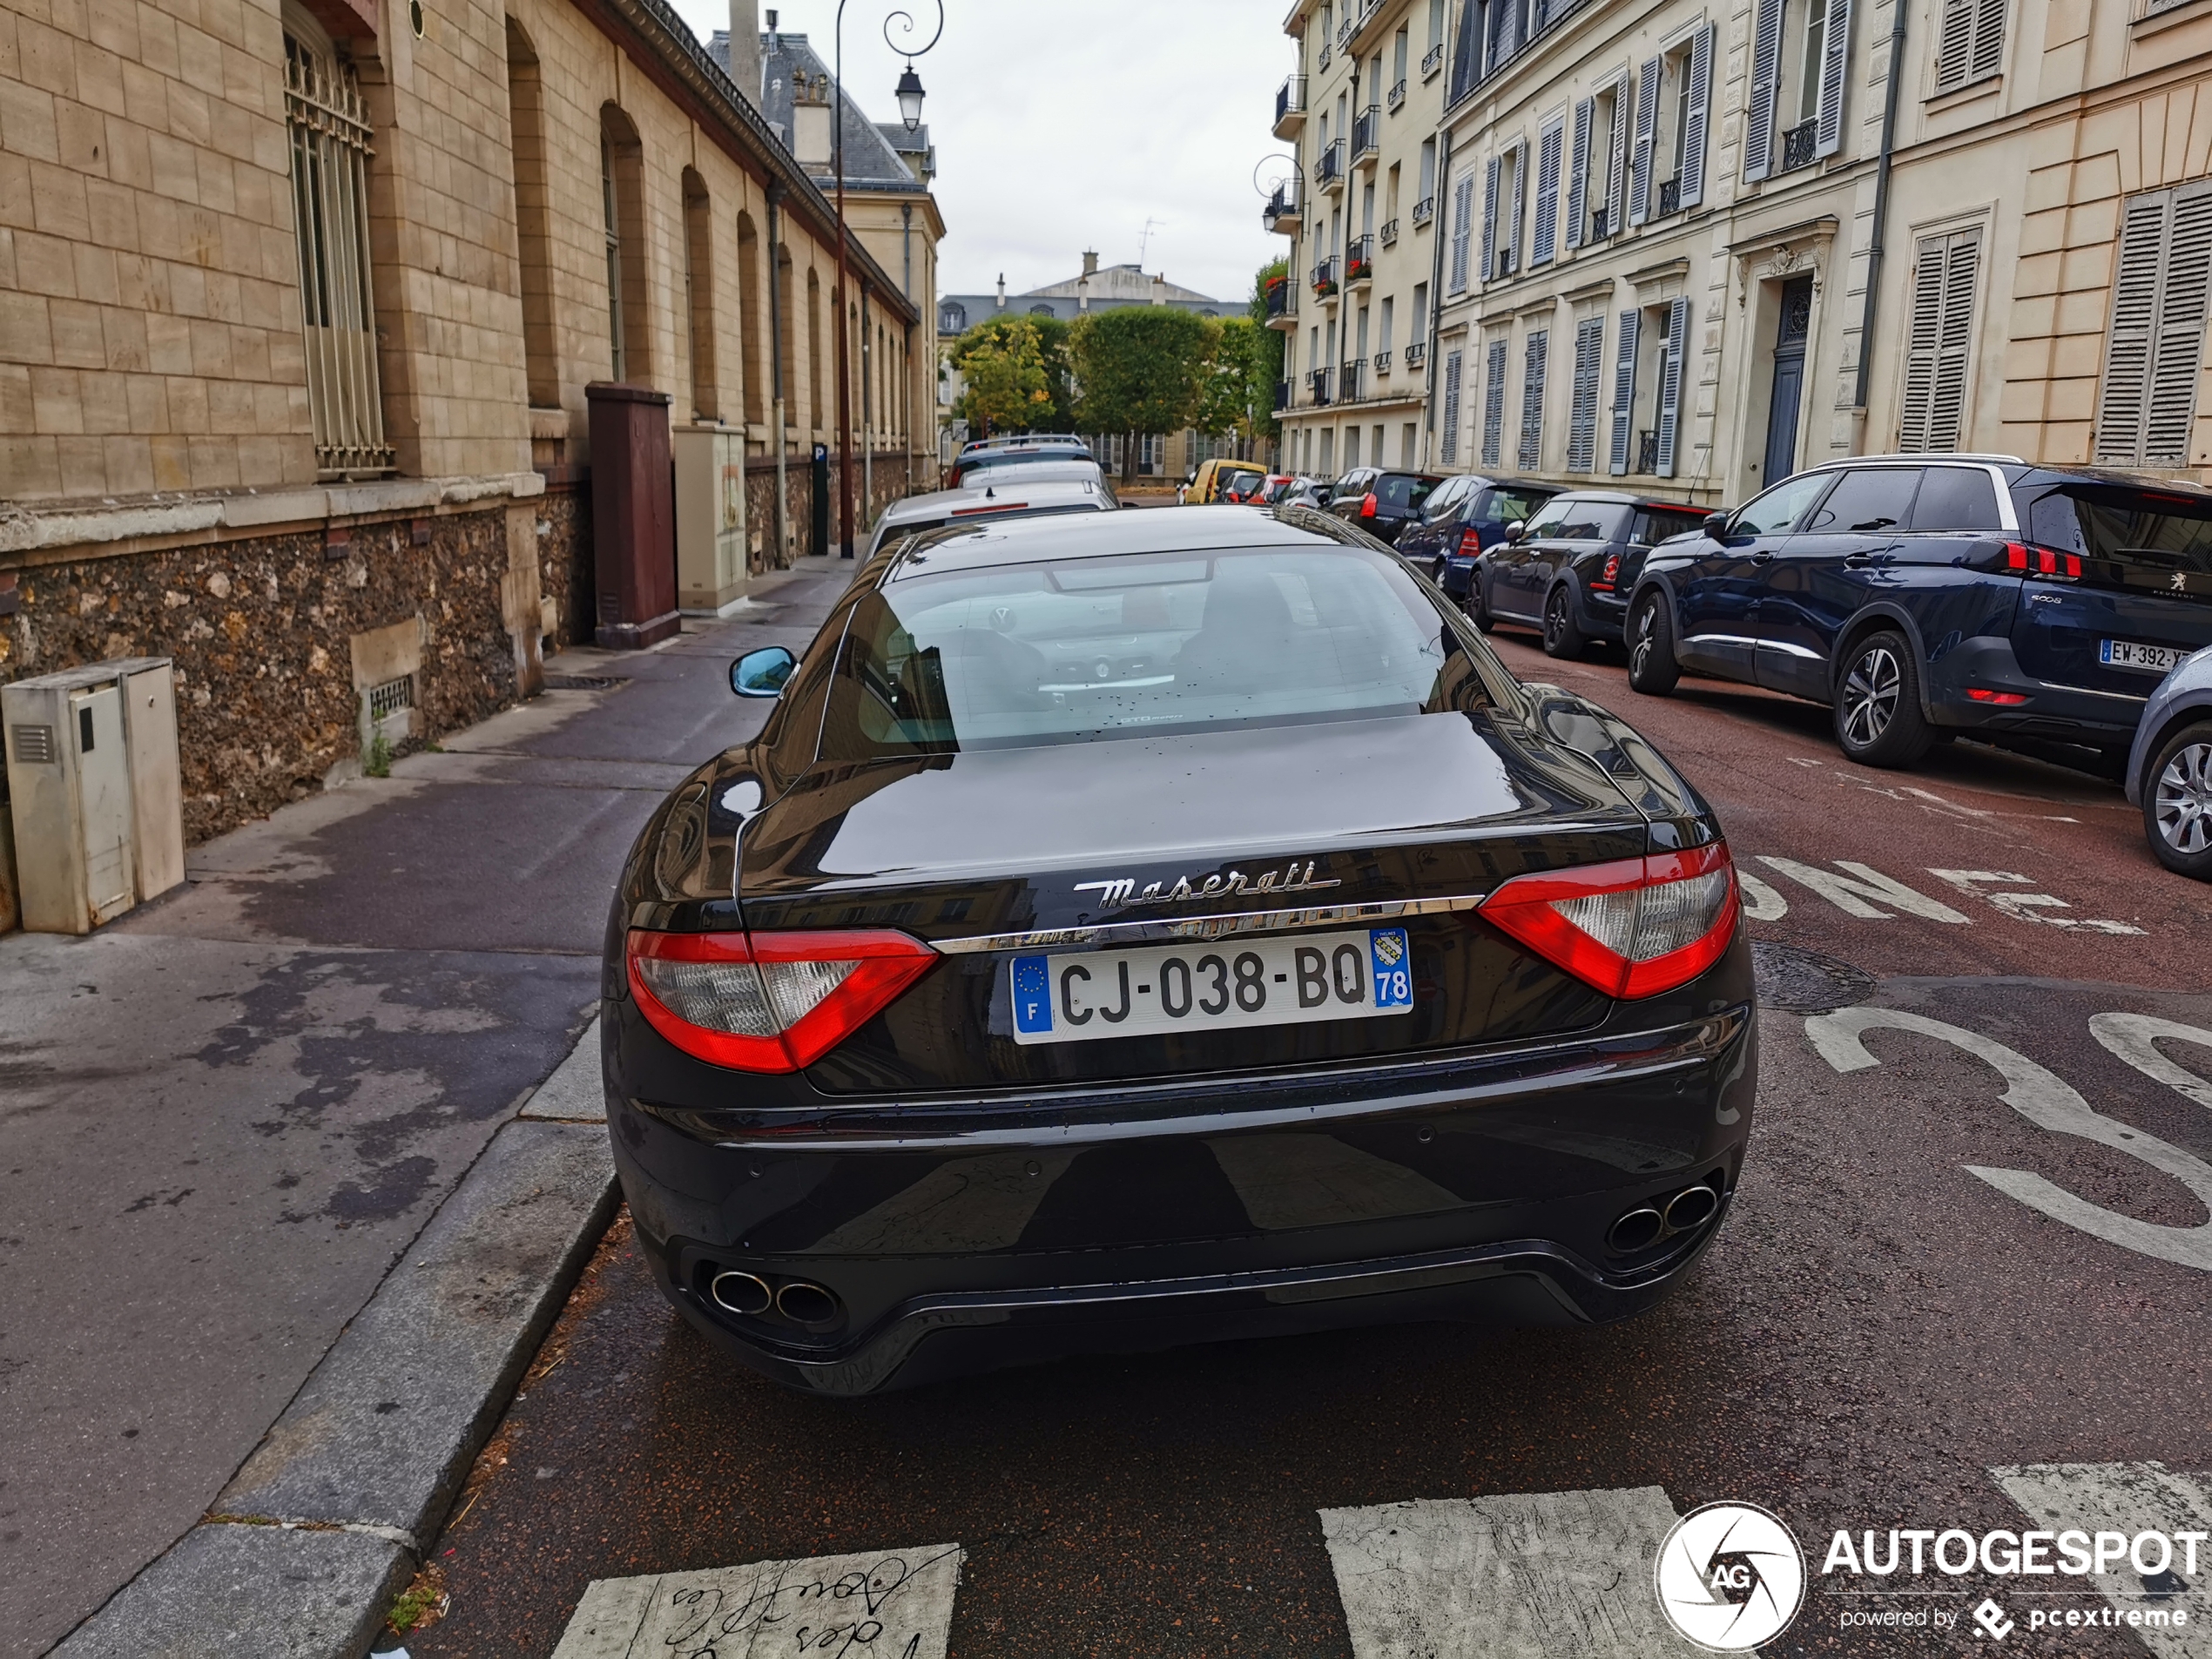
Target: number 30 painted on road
(2049,1102)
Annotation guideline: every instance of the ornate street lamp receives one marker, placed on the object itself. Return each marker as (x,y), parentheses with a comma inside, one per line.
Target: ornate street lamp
(909,94)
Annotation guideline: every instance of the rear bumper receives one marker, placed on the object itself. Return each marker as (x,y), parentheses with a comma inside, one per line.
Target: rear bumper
(2062,714)
(1605,616)
(1478,1187)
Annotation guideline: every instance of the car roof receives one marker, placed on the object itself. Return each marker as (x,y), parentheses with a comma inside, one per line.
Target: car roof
(1192,530)
(1631,498)
(1047,491)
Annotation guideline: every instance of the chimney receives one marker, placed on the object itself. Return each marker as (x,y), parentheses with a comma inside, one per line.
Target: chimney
(1160,290)
(744,49)
(1091,262)
(1001,291)
(809,123)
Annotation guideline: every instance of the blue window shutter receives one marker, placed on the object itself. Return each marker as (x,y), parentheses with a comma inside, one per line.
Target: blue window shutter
(1624,391)
(1766,68)
(1616,171)
(1463,229)
(1520,205)
(1648,80)
(1489,219)
(1670,385)
(1532,400)
(1493,406)
(1548,148)
(1450,439)
(1835,59)
(1578,169)
(1700,101)
(1582,425)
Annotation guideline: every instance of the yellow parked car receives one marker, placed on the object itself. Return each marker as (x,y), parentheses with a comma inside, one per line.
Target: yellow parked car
(1217,481)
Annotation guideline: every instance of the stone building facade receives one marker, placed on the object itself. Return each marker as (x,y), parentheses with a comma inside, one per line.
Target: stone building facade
(1697,245)
(299,302)
(1361,113)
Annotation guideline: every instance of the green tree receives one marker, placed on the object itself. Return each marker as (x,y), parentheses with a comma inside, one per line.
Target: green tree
(1011,367)
(1237,400)
(1142,371)
(1267,352)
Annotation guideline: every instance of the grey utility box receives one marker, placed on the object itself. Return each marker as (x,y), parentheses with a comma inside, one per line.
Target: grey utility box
(94,790)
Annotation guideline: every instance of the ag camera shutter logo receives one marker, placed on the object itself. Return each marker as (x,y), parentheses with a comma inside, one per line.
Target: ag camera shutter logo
(1730,1577)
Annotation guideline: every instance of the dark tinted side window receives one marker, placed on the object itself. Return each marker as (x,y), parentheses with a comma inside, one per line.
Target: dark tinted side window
(1444,499)
(1507,505)
(1399,492)
(1957,498)
(1652,528)
(1868,500)
(1565,518)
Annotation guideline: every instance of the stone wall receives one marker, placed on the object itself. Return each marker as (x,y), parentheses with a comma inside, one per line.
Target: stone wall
(261,629)
(892,483)
(565,563)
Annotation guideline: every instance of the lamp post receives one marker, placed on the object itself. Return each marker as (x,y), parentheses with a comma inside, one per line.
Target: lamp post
(909,94)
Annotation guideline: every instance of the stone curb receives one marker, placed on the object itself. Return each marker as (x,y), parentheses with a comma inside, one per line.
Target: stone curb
(306,1547)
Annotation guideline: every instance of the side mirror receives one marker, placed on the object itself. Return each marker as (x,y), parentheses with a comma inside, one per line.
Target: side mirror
(1514,529)
(762,673)
(1717,526)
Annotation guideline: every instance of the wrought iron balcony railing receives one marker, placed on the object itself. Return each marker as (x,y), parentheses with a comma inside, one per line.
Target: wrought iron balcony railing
(1360,259)
(1316,383)
(1382,363)
(1424,210)
(1282,211)
(1290,106)
(1670,197)
(1282,395)
(1351,382)
(1325,277)
(1416,354)
(1388,234)
(1397,94)
(1797,144)
(1432,60)
(1281,297)
(1328,166)
(1367,134)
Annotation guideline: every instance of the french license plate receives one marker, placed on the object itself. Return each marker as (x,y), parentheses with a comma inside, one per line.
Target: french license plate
(2126,654)
(1078,996)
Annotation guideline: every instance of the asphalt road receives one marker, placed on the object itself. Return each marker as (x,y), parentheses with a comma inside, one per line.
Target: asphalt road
(1925,1293)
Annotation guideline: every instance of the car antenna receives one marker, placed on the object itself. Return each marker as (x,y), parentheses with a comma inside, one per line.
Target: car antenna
(989,494)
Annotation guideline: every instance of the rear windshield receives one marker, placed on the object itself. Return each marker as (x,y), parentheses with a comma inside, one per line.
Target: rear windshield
(1096,648)
(1397,492)
(1504,506)
(992,460)
(1564,518)
(2131,538)
(1652,528)
(919,526)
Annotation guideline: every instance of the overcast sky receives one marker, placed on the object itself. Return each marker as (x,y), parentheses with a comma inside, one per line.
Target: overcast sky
(1064,124)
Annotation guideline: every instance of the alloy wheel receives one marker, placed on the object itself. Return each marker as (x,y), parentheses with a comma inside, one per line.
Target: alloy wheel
(1555,621)
(1640,647)
(2183,806)
(1870,695)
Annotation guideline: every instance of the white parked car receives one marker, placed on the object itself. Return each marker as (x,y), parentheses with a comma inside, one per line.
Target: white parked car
(1077,489)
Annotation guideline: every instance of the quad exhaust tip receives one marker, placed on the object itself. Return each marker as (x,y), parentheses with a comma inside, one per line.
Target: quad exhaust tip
(805,1304)
(1646,1225)
(742,1293)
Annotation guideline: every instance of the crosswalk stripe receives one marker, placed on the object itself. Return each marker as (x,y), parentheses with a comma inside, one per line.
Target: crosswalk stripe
(2128,1498)
(894,1602)
(1509,1575)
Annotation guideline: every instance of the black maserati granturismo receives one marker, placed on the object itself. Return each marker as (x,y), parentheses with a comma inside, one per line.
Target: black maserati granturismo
(1158,927)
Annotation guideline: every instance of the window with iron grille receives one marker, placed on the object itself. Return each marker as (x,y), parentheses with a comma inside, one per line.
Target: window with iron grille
(2146,405)
(328,127)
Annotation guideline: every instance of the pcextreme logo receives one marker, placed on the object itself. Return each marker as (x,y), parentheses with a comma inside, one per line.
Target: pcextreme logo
(1730,1577)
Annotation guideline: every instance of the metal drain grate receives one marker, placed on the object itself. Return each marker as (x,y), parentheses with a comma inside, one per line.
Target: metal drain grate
(583,683)
(390,698)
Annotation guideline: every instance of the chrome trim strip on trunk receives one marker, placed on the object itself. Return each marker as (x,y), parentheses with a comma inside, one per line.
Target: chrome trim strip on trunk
(1165,930)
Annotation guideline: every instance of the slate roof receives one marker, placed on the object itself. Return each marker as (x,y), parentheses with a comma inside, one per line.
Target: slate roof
(1111,287)
(871,162)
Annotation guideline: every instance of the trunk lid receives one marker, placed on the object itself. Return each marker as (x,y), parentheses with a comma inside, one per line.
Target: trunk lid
(1328,817)
(2146,564)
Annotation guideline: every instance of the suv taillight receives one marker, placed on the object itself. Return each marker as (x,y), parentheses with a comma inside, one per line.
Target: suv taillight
(1631,929)
(769,1002)
(2028,560)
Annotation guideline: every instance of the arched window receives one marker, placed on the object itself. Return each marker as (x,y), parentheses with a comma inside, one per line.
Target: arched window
(698,294)
(1040,311)
(328,127)
(533,217)
(622,187)
(751,337)
(814,351)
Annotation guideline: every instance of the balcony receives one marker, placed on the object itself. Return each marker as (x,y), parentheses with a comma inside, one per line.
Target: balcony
(1424,210)
(1289,107)
(1284,211)
(1321,63)
(1797,144)
(1317,386)
(1670,197)
(1369,11)
(1648,451)
(1347,29)
(1416,354)
(1504,263)
(1325,278)
(1328,167)
(1350,384)
(1388,234)
(1367,136)
(1282,395)
(1359,261)
(1432,60)
(1601,219)
(1397,96)
(1382,363)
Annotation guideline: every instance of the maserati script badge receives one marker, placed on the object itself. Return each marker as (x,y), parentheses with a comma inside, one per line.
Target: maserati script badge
(1122,894)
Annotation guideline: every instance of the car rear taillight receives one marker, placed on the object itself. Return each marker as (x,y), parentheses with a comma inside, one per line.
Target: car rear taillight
(1470,541)
(1633,927)
(2006,699)
(1367,507)
(1604,582)
(2042,561)
(769,1002)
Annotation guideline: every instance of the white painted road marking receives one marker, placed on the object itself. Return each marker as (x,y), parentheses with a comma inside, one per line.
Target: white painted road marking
(2130,1499)
(2050,1104)
(1761,901)
(1512,1575)
(1859,892)
(2026,906)
(2134,1038)
(1862,891)
(888,1604)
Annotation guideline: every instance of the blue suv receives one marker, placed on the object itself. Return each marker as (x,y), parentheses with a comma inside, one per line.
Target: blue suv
(1921,596)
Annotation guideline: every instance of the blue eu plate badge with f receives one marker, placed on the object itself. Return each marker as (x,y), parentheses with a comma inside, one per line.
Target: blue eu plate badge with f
(1032,994)
(1393,970)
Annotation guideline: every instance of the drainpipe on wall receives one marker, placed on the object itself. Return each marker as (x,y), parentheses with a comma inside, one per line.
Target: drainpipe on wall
(776,365)
(1881,217)
(906,249)
(1435,364)
(867,415)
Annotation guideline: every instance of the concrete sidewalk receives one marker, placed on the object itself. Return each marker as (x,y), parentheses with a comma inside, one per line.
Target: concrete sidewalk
(224,1120)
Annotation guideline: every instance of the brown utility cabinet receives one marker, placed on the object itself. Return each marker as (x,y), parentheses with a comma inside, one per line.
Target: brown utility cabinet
(633,516)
